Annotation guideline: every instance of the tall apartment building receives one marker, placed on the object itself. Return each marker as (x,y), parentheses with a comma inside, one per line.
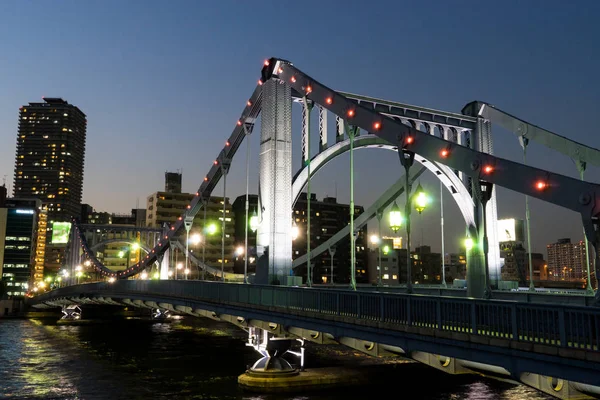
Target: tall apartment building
(18,244)
(165,207)
(49,164)
(327,218)
(566,260)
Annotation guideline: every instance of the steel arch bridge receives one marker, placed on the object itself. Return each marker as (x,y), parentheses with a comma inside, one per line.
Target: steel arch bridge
(457,146)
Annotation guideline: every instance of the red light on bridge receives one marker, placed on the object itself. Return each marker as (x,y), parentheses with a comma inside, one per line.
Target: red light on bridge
(308,89)
(188,206)
(180,218)
(239,123)
(409,140)
(329,100)
(266,63)
(205,178)
(248,103)
(444,153)
(279,70)
(227,143)
(541,185)
(260,82)
(172,228)
(350,113)
(488,169)
(293,79)
(197,194)
(216,162)
(377,125)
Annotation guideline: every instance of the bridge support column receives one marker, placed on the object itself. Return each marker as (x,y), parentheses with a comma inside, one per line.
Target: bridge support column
(275,180)
(559,388)
(164,264)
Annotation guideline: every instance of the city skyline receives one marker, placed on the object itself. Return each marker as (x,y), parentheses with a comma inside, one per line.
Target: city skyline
(132,115)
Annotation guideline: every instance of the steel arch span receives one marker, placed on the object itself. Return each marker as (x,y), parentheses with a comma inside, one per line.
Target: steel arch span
(470,159)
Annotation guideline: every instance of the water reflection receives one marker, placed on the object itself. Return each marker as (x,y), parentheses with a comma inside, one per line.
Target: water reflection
(195,359)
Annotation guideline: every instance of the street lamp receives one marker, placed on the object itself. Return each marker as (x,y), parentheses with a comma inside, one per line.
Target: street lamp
(468,243)
(420,199)
(395,218)
(295,232)
(144,275)
(254,222)
(239,251)
(180,267)
(376,241)
(195,239)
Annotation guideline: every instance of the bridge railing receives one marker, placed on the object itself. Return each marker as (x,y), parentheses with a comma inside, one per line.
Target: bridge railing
(554,325)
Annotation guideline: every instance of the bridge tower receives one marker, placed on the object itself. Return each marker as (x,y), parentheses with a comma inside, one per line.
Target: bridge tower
(486,242)
(275,179)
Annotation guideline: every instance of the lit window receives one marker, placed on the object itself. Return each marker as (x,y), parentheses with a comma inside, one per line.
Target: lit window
(386,276)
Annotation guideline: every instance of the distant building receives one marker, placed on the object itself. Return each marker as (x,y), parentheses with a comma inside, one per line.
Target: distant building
(327,218)
(566,260)
(513,255)
(18,243)
(49,164)
(456,266)
(165,208)
(389,264)
(173,182)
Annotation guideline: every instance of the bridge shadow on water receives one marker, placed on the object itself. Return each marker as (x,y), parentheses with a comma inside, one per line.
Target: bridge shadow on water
(195,359)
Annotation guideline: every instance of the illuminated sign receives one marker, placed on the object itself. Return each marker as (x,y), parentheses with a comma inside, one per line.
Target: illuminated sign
(510,230)
(60,232)
(25,211)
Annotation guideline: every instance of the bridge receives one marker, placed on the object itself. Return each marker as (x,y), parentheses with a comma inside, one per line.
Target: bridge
(547,343)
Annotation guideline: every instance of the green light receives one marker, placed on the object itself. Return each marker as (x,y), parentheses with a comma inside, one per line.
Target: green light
(469,243)
(395,218)
(386,249)
(48,279)
(135,246)
(421,199)
(156,275)
(211,229)
(254,222)
(121,254)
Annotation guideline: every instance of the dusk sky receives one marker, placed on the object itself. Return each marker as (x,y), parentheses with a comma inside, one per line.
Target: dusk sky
(163,83)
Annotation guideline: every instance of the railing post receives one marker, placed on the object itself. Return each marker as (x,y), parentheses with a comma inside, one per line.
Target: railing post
(562,327)
(408,311)
(514,321)
(337,305)
(381,308)
(319,301)
(474,317)
(438,309)
(357,305)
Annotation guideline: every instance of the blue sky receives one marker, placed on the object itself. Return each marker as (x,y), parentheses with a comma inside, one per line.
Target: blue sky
(162,83)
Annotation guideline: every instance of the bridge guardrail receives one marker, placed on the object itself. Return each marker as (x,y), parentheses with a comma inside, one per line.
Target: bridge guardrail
(567,326)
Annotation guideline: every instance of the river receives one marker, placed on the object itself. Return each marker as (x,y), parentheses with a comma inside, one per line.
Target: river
(191,359)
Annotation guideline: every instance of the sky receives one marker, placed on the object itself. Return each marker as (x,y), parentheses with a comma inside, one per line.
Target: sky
(163,83)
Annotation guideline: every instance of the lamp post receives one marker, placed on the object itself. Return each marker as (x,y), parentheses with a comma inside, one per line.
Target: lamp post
(331,254)
(395,217)
(407,159)
(442,226)
(420,200)
(211,229)
(352,133)
(253,227)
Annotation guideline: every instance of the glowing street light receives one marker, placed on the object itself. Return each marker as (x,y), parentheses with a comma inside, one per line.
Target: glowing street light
(295,231)
(121,254)
(111,279)
(144,275)
(386,249)
(195,239)
(239,251)
(135,246)
(156,275)
(374,239)
(254,222)
(421,199)
(179,265)
(78,268)
(170,273)
(395,218)
(469,243)
(211,229)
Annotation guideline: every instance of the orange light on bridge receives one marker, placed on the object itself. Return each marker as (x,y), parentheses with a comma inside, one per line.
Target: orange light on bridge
(308,89)
(293,79)
(248,103)
(377,125)
(280,70)
(227,143)
(329,100)
(350,113)
(216,162)
(260,82)
(488,169)
(409,140)
(266,63)
(444,153)
(541,185)
(239,123)
(205,178)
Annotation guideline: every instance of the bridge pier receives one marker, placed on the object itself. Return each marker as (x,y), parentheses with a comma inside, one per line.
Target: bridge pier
(560,388)
(71,312)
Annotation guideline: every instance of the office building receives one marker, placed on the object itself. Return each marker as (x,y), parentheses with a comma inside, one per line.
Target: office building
(173,182)
(18,237)
(389,266)
(49,164)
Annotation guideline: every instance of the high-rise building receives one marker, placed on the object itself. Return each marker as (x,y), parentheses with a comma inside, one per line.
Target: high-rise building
(327,218)
(239,211)
(49,164)
(18,237)
(566,260)
(389,268)
(513,255)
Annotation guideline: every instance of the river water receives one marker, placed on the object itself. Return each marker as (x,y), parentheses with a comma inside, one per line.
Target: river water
(191,359)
